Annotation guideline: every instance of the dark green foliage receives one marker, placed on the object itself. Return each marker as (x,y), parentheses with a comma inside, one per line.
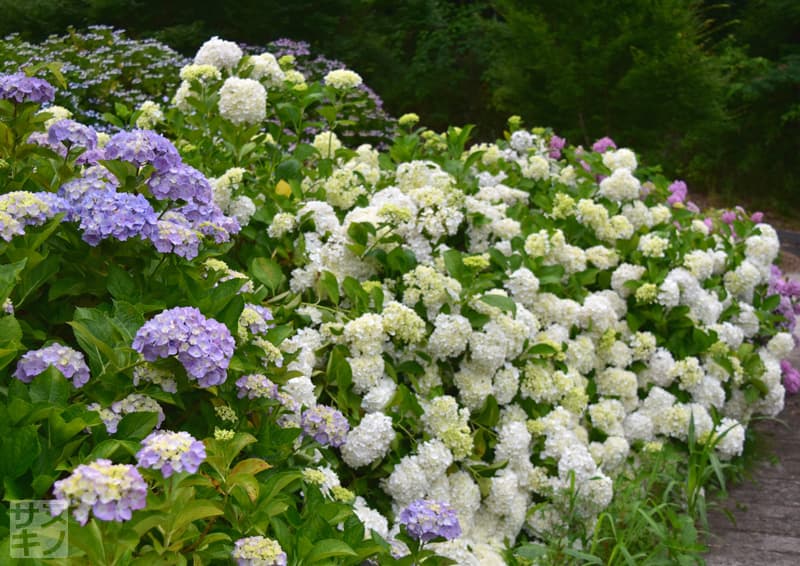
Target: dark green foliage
(707,90)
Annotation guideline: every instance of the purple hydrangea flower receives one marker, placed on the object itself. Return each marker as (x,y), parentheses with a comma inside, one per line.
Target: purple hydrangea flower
(757,217)
(171,452)
(254,320)
(678,191)
(181,182)
(256,386)
(209,220)
(21,88)
(143,147)
(93,179)
(426,520)
(258,551)
(326,425)
(603,144)
(111,491)
(66,360)
(791,377)
(556,145)
(202,345)
(69,133)
(105,214)
(728,217)
(175,234)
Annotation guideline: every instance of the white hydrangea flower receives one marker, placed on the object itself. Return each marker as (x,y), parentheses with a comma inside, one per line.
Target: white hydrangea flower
(622,158)
(219,53)
(369,441)
(243,101)
(621,185)
(282,223)
(265,67)
(729,436)
(326,143)
(343,79)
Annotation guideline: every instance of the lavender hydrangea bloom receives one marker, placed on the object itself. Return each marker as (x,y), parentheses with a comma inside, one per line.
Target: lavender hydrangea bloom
(21,88)
(105,214)
(326,425)
(202,345)
(69,362)
(603,144)
(19,209)
(258,551)
(93,179)
(181,182)
(209,220)
(111,491)
(556,145)
(69,133)
(426,520)
(678,192)
(143,147)
(256,386)
(171,452)
(175,234)
(254,320)
(133,403)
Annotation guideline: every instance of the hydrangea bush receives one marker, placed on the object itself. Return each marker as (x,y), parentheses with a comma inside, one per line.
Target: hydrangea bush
(225,340)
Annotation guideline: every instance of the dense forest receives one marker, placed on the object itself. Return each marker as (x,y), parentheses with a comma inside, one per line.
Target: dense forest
(710,91)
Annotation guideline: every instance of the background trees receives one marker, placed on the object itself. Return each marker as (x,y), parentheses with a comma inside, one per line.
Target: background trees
(709,91)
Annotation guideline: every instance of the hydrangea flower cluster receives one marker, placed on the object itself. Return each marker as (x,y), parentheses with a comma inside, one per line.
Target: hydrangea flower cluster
(69,362)
(256,386)
(20,88)
(343,79)
(243,101)
(587,356)
(133,403)
(19,209)
(258,551)
(143,147)
(171,452)
(110,491)
(426,520)
(203,346)
(326,425)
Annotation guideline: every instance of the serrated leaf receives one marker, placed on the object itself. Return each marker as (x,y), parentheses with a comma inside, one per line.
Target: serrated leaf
(501,302)
(328,548)
(50,387)
(267,272)
(196,510)
(251,466)
(135,426)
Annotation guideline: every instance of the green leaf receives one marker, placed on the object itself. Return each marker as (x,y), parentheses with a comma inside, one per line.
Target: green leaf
(328,548)
(35,277)
(501,302)
(454,264)
(20,447)
(401,260)
(288,170)
(268,272)
(196,510)
(330,285)
(121,284)
(531,551)
(10,340)
(51,387)
(9,276)
(135,426)
(288,113)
